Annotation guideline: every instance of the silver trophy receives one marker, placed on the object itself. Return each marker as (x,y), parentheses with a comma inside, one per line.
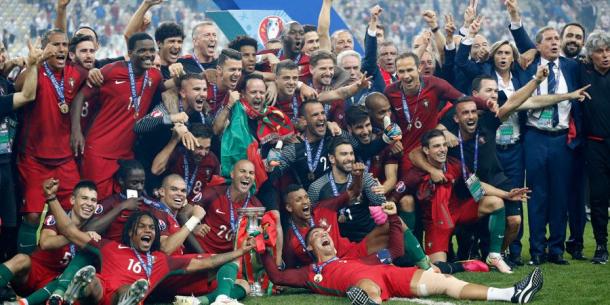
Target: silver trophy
(254,215)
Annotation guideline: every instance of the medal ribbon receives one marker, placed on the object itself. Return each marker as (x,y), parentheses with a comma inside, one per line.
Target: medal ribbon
(197,62)
(300,237)
(405,105)
(295,108)
(476,154)
(231,212)
(334,186)
(318,268)
(181,109)
(135,99)
(155,204)
(146,265)
(58,86)
(313,164)
(190,182)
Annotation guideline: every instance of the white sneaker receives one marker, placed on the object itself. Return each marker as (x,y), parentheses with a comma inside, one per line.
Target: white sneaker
(186,300)
(136,293)
(225,300)
(499,263)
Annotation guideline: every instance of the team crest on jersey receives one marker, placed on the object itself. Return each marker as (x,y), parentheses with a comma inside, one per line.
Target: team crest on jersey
(400,187)
(50,221)
(99,209)
(270,28)
(71,82)
(162,225)
(156,113)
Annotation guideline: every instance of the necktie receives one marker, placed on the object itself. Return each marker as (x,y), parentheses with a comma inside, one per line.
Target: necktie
(552,85)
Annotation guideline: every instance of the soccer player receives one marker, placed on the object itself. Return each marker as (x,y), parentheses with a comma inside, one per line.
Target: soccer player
(311,39)
(204,49)
(286,82)
(27,274)
(196,167)
(228,73)
(127,93)
(366,283)
(82,51)
(169,37)
(131,269)
(45,140)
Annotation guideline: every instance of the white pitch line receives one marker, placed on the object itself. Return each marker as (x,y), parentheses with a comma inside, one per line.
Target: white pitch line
(422,301)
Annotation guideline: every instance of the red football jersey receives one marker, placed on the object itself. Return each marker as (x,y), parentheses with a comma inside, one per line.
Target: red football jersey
(46,131)
(57,259)
(120,266)
(111,134)
(217,217)
(115,231)
(303,63)
(377,163)
(287,107)
(197,180)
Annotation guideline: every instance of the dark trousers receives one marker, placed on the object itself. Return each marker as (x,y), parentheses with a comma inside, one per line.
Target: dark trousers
(549,164)
(577,217)
(512,160)
(598,168)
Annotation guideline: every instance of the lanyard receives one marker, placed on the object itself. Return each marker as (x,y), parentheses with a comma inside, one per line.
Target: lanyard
(295,108)
(476,154)
(318,268)
(181,109)
(405,105)
(197,62)
(231,213)
(334,186)
(190,181)
(135,99)
(313,164)
(146,265)
(58,86)
(300,237)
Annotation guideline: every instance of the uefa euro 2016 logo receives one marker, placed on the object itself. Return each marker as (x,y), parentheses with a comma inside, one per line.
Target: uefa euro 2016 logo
(270,28)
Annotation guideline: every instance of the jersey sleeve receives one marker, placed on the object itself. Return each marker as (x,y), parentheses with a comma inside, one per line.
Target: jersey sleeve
(334,203)
(446,91)
(291,277)
(368,185)
(178,262)
(158,117)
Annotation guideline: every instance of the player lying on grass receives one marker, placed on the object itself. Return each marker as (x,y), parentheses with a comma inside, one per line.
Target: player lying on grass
(367,283)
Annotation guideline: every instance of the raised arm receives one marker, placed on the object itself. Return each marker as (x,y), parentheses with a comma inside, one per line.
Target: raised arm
(369,62)
(324,25)
(170,243)
(137,22)
(64,224)
(30,80)
(439,40)
(60,21)
(159,165)
(345,92)
(222,116)
(521,95)
(522,40)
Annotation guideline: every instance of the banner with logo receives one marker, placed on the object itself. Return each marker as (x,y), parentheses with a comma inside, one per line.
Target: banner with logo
(262,25)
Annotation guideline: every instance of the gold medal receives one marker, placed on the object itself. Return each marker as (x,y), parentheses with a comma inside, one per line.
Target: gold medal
(318,278)
(342,218)
(63,108)
(311,176)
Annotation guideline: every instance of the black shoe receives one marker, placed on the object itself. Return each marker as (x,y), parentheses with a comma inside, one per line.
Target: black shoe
(7,294)
(527,287)
(575,250)
(537,260)
(358,296)
(601,255)
(516,260)
(557,259)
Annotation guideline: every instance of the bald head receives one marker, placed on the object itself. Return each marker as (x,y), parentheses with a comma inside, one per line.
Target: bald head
(378,106)
(173,192)
(243,176)
(168,180)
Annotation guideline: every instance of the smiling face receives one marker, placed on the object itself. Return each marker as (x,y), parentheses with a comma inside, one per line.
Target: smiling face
(143,54)
(466,116)
(286,81)
(170,49)
(248,58)
(549,45)
(242,176)
(254,93)
(311,42)
(323,72)
(351,64)
(194,92)
(436,151)
(299,205)
(203,149)
(488,90)
(230,73)
(320,243)
(406,70)
(144,235)
(379,109)
(59,41)
(342,41)
(387,57)
(315,117)
(480,48)
(572,41)
(205,40)
(84,54)
(363,131)
(427,64)
(173,192)
(343,158)
(84,202)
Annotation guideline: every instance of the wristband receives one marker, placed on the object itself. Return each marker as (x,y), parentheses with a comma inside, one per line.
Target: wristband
(434,30)
(299,85)
(191,223)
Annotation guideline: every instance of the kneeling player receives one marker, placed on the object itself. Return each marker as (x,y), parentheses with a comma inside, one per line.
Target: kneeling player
(371,284)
